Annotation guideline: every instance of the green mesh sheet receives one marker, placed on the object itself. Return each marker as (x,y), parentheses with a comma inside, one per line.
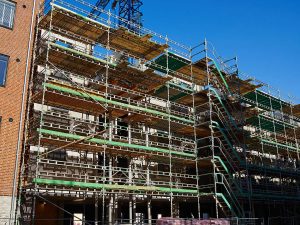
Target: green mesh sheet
(265,100)
(172,61)
(265,124)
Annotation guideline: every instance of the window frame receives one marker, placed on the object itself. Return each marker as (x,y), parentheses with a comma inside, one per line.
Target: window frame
(6,71)
(14,15)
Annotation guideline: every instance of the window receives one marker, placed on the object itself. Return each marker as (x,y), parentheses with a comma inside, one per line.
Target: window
(3,69)
(7,13)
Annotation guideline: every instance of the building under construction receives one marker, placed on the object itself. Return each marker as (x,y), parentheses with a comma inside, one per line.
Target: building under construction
(125,125)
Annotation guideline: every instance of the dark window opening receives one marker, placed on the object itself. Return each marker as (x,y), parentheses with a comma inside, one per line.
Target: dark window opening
(3,68)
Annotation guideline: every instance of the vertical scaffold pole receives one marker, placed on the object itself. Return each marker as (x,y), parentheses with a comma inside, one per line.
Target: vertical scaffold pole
(111,195)
(211,126)
(29,107)
(169,132)
(43,108)
(149,198)
(106,121)
(194,86)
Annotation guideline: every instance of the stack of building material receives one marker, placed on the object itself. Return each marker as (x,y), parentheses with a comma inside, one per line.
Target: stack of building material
(178,221)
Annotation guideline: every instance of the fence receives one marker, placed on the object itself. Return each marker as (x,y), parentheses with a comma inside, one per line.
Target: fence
(162,221)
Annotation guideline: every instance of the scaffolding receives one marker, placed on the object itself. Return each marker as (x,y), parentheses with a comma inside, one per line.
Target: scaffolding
(139,125)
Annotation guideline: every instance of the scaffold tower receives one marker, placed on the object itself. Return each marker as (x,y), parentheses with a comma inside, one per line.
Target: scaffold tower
(125,125)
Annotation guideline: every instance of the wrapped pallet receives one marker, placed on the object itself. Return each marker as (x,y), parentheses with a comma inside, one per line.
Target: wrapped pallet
(178,221)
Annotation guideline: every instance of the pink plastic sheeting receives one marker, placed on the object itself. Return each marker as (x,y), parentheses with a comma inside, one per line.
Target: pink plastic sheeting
(175,221)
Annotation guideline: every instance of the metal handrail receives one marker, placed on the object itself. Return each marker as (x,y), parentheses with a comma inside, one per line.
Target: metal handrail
(224,122)
(231,194)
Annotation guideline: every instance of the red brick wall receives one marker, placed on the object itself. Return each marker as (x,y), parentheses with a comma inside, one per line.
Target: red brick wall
(13,43)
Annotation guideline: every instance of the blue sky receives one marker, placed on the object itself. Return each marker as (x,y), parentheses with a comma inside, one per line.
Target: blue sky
(264,34)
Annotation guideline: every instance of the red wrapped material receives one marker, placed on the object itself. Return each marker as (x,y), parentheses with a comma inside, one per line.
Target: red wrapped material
(213,222)
(178,221)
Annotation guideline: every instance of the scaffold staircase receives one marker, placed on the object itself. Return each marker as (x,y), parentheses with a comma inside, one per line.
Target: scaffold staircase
(227,162)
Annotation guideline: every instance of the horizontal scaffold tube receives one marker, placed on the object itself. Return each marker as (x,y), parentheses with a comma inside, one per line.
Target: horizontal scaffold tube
(112,102)
(111,186)
(77,14)
(279,144)
(82,54)
(113,143)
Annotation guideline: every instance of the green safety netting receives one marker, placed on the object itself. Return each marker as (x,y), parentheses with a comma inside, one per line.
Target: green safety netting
(171,61)
(265,124)
(264,100)
(181,90)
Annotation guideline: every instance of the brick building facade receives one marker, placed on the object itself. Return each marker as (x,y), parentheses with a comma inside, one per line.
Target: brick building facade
(15,52)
